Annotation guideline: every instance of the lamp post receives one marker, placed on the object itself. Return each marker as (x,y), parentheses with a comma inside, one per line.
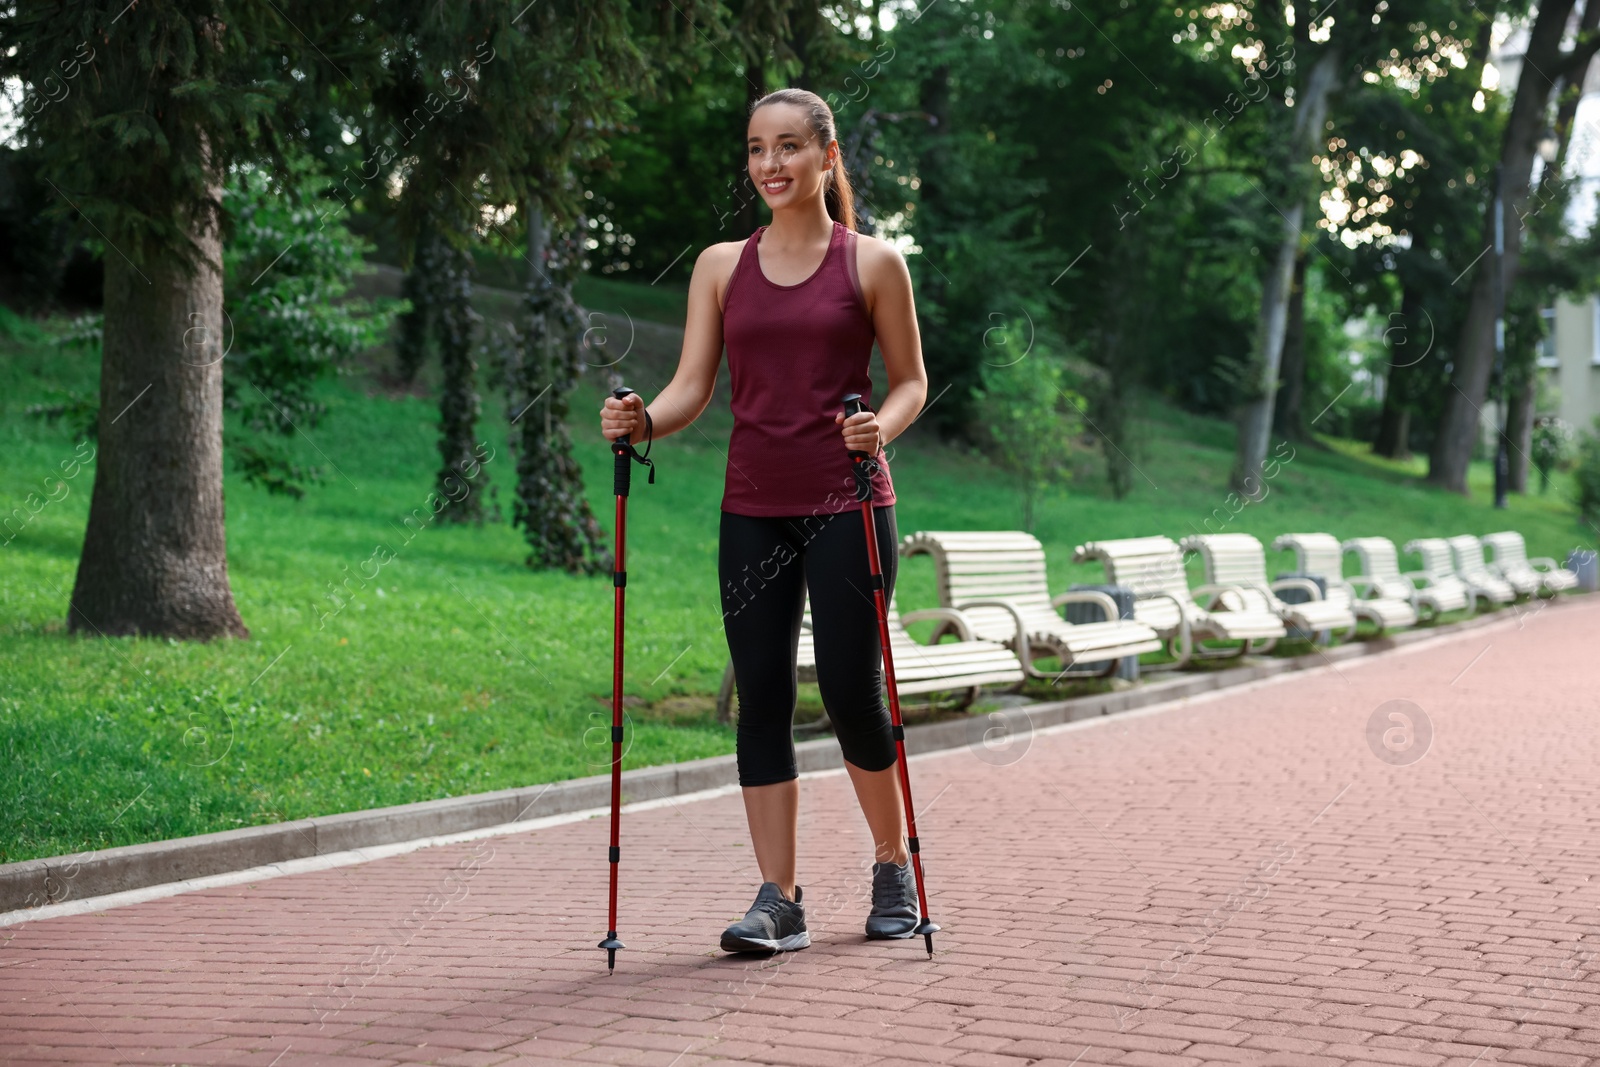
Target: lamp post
(1502,458)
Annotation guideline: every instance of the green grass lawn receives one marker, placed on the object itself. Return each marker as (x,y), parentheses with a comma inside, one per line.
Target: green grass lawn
(459,670)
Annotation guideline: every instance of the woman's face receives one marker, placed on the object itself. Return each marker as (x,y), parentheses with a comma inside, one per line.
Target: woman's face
(785,161)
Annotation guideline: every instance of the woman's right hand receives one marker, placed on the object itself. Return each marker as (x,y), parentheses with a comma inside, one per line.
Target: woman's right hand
(623,417)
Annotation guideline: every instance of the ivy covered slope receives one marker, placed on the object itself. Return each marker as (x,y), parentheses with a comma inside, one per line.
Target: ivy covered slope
(393,658)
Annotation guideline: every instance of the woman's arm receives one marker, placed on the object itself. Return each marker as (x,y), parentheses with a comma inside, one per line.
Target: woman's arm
(687,395)
(886,285)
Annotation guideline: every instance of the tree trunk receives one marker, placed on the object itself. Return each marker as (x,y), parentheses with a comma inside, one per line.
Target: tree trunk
(1255,414)
(1475,347)
(1394,425)
(154,558)
(1394,431)
(460,476)
(1290,419)
(804,22)
(418,326)
(1519,436)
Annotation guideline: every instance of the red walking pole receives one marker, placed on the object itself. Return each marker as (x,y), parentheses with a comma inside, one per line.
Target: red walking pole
(619,579)
(864,467)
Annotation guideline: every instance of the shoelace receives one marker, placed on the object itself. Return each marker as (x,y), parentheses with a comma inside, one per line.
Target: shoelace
(890,884)
(771,907)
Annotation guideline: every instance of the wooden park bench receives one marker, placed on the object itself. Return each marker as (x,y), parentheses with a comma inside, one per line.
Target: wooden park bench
(1438,576)
(1380,574)
(998,580)
(1528,576)
(1153,568)
(1467,554)
(1238,560)
(962,666)
(1321,556)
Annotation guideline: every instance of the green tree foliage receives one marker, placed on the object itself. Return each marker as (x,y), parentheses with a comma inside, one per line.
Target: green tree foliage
(289,322)
(1412,144)
(1029,421)
(1586,476)
(1552,447)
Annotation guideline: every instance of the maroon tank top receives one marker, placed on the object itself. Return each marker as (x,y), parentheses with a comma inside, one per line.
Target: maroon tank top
(793,351)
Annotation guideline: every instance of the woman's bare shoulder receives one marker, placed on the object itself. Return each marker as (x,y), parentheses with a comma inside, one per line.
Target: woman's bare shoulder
(877,258)
(717,260)
(881,268)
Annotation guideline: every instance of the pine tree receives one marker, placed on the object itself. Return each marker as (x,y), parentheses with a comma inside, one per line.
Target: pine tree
(160,100)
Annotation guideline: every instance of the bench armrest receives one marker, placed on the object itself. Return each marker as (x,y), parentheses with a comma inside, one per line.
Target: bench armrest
(1215,591)
(1185,627)
(1360,582)
(1089,596)
(1545,563)
(963,625)
(1419,579)
(1306,584)
(1020,644)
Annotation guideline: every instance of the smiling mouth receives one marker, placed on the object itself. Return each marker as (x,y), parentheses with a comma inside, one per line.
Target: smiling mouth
(777,186)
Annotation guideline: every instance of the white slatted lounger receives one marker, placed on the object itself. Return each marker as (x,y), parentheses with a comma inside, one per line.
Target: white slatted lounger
(1530,576)
(965,665)
(1439,572)
(1380,574)
(1239,560)
(1467,553)
(998,580)
(1153,568)
(1320,554)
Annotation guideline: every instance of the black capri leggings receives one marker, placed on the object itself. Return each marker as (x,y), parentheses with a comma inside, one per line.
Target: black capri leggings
(766,566)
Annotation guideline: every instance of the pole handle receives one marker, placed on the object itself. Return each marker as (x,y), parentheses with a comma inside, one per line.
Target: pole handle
(861,464)
(621,449)
(625,451)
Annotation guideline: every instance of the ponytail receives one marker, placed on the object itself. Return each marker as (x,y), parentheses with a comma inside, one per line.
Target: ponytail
(839,195)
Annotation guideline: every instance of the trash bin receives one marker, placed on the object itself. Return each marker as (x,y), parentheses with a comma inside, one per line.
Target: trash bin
(1293,595)
(1076,613)
(1581,561)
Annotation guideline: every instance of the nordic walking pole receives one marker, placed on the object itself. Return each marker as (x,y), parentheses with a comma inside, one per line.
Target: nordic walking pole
(864,467)
(625,454)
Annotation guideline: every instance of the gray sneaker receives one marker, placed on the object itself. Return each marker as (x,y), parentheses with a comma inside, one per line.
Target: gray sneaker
(894,901)
(773,924)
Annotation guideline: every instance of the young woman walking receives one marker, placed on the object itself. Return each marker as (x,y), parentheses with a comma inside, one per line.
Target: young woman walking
(798,305)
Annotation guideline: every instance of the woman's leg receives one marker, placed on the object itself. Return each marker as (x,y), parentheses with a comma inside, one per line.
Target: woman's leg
(773,812)
(763,600)
(849,656)
(881,802)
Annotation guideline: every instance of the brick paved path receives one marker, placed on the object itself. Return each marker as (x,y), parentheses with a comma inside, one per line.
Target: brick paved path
(1240,880)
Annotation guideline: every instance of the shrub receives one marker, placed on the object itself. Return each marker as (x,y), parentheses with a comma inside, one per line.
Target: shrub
(1552,446)
(1586,476)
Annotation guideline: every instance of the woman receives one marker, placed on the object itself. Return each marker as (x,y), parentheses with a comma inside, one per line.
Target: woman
(799,304)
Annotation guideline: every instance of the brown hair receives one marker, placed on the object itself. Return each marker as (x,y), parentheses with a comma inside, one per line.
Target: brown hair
(837,193)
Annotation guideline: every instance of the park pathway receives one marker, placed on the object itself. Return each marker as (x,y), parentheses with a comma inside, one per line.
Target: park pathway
(1269,876)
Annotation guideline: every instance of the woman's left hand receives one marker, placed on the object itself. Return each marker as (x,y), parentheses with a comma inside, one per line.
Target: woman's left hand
(861,433)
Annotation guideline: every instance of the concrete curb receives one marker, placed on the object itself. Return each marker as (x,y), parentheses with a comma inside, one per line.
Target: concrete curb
(32,883)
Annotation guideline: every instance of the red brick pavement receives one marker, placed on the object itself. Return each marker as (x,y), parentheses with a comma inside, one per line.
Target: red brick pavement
(1240,880)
